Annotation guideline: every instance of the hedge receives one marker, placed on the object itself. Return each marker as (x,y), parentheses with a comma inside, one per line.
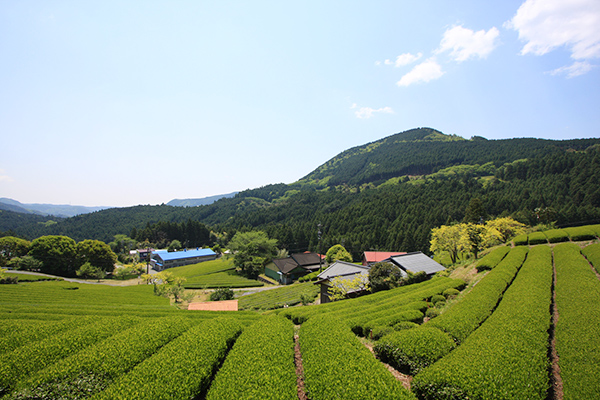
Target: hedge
(411,350)
(338,366)
(592,253)
(521,240)
(468,313)
(506,358)
(492,259)
(578,328)
(537,238)
(580,233)
(260,365)
(557,235)
(182,369)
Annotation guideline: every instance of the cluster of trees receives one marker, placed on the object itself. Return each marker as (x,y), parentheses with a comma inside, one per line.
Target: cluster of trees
(471,237)
(188,234)
(58,255)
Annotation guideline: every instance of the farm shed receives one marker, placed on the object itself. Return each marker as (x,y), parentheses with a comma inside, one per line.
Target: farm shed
(417,262)
(164,260)
(374,257)
(286,270)
(344,270)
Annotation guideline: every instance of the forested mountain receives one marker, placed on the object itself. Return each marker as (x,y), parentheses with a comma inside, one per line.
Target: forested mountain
(386,195)
(199,202)
(63,211)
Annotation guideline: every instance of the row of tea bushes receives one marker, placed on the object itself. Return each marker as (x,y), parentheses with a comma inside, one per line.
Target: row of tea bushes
(592,253)
(277,298)
(15,333)
(182,369)
(467,314)
(578,327)
(25,360)
(492,259)
(385,301)
(411,350)
(505,358)
(107,359)
(260,365)
(338,366)
(575,234)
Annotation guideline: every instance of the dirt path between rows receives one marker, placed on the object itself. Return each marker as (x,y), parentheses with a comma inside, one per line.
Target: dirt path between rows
(556,388)
(405,379)
(299,368)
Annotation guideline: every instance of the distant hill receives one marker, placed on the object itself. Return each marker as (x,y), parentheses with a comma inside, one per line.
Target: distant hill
(63,211)
(199,202)
(386,195)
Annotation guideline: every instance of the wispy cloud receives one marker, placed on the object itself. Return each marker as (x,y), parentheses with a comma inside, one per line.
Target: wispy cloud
(3,177)
(368,112)
(464,43)
(404,59)
(545,25)
(421,73)
(576,69)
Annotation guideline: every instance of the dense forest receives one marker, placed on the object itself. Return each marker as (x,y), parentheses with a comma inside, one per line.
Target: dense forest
(386,195)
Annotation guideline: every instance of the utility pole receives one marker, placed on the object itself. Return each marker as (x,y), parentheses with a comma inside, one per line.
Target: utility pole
(320,250)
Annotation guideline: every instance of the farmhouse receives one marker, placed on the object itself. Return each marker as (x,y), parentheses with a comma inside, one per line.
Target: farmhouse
(286,270)
(162,260)
(346,272)
(417,262)
(374,257)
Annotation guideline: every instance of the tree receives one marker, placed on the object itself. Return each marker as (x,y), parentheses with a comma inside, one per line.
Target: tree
(174,246)
(58,254)
(26,263)
(96,253)
(450,238)
(506,228)
(88,270)
(337,252)
(475,235)
(384,276)
(168,285)
(252,251)
(341,287)
(11,246)
(475,212)
(222,294)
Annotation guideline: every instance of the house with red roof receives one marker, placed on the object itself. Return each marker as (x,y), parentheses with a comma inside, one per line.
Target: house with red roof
(374,257)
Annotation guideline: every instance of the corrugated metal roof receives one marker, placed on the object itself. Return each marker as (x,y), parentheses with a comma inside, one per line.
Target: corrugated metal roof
(417,262)
(180,255)
(341,268)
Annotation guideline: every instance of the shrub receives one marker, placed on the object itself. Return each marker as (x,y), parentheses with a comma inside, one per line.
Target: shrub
(557,235)
(222,294)
(592,253)
(450,293)
(411,350)
(432,313)
(437,298)
(537,238)
(521,240)
(405,325)
(580,233)
(380,331)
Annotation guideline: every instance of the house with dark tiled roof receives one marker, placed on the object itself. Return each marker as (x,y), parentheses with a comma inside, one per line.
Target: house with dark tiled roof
(417,262)
(344,271)
(286,270)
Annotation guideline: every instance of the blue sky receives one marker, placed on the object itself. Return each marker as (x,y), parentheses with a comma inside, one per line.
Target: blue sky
(140,102)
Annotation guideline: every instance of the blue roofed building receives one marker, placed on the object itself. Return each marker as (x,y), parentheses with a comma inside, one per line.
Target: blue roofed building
(162,260)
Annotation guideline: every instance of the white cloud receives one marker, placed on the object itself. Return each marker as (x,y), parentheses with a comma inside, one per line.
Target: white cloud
(367,112)
(464,43)
(424,72)
(4,178)
(545,25)
(407,58)
(576,69)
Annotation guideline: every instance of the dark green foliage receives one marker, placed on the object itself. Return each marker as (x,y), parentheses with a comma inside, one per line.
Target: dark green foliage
(411,350)
(222,294)
(384,276)
(11,247)
(58,255)
(97,253)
